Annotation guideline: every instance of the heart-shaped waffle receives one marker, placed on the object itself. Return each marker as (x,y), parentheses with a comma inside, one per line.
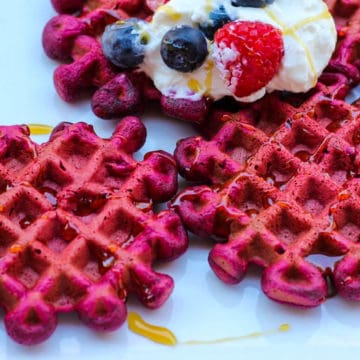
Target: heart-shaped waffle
(77,227)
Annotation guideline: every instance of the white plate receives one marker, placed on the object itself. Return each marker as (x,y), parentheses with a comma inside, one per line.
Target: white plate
(201,307)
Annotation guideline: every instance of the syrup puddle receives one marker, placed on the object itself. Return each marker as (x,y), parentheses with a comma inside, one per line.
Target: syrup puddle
(165,336)
(40,129)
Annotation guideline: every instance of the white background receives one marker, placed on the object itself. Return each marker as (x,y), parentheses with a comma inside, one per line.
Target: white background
(201,307)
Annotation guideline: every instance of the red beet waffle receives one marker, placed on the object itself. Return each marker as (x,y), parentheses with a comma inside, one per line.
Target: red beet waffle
(346,59)
(77,227)
(284,187)
(283,183)
(73,38)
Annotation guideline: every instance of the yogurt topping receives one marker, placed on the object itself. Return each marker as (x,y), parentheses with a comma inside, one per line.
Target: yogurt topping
(309,37)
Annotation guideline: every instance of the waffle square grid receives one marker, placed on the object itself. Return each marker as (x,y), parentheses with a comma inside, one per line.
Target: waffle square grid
(77,227)
(283,185)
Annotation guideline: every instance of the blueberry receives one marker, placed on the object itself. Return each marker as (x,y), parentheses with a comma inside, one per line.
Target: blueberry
(184,48)
(217,19)
(251,3)
(124,43)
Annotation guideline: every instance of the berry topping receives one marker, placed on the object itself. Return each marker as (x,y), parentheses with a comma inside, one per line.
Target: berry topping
(248,55)
(124,43)
(217,19)
(251,3)
(184,48)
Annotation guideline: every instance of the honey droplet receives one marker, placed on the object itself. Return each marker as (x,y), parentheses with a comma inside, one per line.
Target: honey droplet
(16,249)
(311,113)
(284,205)
(155,333)
(226,117)
(343,31)
(112,248)
(284,327)
(303,155)
(344,195)
(68,232)
(89,204)
(252,213)
(40,129)
(334,126)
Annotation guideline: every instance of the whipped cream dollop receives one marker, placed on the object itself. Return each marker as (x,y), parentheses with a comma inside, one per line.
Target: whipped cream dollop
(309,38)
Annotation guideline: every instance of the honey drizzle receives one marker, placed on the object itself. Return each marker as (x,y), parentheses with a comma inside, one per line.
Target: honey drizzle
(209,75)
(194,85)
(165,336)
(292,31)
(155,333)
(208,6)
(40,129)
(170,11)
(322,16)
(254,335)
(16,248)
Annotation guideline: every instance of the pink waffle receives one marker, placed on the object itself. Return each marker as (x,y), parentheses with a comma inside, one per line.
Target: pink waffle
(79,233)
(284,188)
(281,183)
(72,37)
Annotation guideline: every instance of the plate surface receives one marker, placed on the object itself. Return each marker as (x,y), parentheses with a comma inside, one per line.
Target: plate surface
(201,307)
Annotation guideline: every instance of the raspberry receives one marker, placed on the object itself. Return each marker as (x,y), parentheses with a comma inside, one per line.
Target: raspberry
(248,55)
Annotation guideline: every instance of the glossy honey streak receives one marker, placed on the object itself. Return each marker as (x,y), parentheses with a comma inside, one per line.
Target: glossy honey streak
(209,75)
(194,85)
(40,129)
(155,333)
(165,336)
(208,6)
(15,249)
(292,31)
(170,11)
(254,335)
